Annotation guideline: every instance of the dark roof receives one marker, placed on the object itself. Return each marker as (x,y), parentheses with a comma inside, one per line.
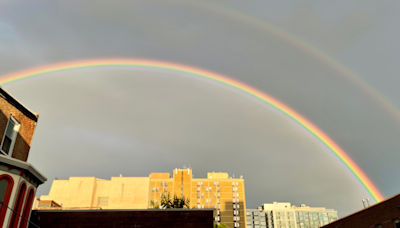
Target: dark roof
(10,99)
(357,212)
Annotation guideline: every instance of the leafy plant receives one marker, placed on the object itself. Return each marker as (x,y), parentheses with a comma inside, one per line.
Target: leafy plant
(154,205)
(220,225)
(168,202)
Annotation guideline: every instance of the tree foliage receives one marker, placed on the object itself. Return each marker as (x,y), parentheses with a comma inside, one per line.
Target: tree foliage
(220,225)
(168,203)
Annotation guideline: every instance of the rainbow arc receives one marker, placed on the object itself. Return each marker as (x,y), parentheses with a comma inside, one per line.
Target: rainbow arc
(318,134)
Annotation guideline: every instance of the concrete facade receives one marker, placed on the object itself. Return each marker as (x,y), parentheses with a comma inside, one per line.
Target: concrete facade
(84,192)
(284,215)
(225,195)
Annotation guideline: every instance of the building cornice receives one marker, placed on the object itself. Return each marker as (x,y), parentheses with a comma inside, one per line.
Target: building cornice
(23,165)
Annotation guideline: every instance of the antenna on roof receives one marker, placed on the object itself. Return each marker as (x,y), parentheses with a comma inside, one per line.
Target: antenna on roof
(368,202)
(184,166)
(363,203)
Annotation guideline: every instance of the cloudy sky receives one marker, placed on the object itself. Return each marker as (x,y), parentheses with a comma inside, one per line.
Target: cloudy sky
(106,122)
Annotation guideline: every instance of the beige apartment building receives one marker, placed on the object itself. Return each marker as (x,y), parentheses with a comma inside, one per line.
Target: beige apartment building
(284,215)
(224,194)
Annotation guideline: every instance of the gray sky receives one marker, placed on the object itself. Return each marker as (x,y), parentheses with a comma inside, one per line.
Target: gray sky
(132,122)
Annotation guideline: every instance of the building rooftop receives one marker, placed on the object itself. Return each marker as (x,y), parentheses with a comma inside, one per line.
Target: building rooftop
(17,104)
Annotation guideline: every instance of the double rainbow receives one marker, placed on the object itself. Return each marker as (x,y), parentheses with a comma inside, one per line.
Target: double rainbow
(187,70)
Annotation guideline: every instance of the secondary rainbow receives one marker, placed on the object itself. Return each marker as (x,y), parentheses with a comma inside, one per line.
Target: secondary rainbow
(188,70)
(307,47)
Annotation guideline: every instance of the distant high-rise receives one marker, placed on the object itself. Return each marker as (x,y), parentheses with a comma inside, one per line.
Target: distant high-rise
(283,215)
(218,191)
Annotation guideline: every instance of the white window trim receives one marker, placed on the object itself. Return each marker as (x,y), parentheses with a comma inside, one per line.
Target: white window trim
(13,140)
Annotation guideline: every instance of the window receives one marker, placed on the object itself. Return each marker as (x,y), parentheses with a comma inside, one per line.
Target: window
(165,189)
(206,189)
(233,189)
(234,212)
(233,194)
(198,189)
(215,195)
(237,189)
(198,195)
(237,206)
(218,195)
(201,183)
(218,189)
(396,223)
(210,201)
(233,200)
(236,183)
(198,206)
(153,189)
(162,184)
(202,206)
(215,183)
(166,183)
(198,183)
(206,201)
(198,200)
(217,200)
(9,137)
(237,194)
(215,206)
(103,201)
(202,195)
(156,189)
(237,200)
(161,195)
(233,183)
(18,206)
(219,207)
(28,207)
(210,189)
(6,186)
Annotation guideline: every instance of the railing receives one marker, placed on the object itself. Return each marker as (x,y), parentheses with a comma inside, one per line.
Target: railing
(19,215)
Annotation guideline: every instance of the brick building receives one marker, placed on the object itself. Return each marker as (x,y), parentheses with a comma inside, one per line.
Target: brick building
(19,180)
(385,214)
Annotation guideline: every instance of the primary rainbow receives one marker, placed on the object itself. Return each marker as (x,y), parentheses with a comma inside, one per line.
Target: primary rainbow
(152,64)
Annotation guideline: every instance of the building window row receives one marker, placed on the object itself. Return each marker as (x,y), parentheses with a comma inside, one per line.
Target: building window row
(102,201)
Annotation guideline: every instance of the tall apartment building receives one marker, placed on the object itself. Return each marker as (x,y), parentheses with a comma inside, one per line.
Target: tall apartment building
(218,191)
(283,215)
(19,180)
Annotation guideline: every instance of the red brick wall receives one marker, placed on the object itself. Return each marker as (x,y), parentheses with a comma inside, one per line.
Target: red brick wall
(25,133)
(383,213)
(176,218)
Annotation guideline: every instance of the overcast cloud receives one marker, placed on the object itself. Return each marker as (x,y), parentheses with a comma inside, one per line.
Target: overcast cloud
(132,122)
